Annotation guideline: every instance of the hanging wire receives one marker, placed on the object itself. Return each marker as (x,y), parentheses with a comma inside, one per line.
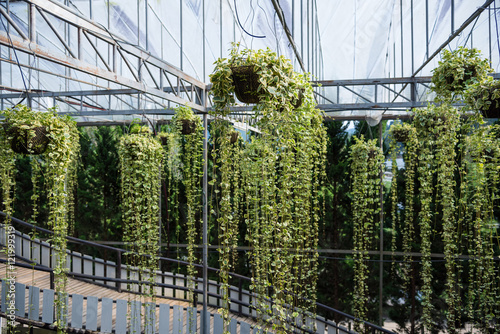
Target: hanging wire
(241,26)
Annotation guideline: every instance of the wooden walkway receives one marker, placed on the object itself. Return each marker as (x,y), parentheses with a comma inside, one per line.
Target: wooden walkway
(41,280)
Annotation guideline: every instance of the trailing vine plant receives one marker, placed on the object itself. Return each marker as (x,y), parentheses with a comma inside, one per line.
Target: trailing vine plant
(60,141)
(482,156)
(192,173)
(366,163)
(141,159)
(405,133)
(282,171)
(437,133)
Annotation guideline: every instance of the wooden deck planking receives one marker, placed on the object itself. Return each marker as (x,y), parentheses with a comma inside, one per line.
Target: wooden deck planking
(42,280)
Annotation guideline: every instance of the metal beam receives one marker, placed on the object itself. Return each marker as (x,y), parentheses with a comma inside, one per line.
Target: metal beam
(364,82)
(69,93)
(66,14)
(471,18)
(79,65)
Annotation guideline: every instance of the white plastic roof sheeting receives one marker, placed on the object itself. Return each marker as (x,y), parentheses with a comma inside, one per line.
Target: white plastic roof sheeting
(362,39)
(358,38)
(336,39)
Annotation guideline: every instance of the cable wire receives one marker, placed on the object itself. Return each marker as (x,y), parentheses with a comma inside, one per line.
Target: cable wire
(241,26)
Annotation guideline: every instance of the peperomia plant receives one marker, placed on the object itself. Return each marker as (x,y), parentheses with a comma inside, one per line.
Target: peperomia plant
(141,158)
(366,165)
(282,172)
(456,70)
(437,128)
(59,160)
(192,172)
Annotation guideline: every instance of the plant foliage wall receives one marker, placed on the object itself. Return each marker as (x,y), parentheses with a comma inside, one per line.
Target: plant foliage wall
(275,180)
(52,144)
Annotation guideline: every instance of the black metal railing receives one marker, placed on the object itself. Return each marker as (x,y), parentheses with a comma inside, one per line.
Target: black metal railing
(239,291)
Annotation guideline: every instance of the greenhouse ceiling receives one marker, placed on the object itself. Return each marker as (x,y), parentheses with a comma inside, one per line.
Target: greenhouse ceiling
(108,62)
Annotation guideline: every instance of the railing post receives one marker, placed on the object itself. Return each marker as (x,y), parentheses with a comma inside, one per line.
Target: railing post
(118,273)
(240,296)
(51,275)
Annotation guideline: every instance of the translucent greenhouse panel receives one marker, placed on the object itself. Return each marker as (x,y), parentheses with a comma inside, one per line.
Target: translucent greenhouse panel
(192,37)
(213,38)
(19,14)
(155,45)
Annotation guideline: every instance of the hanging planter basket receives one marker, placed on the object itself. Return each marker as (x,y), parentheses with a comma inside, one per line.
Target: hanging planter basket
(470,72)
(493,111)
(234,137)
(28,141)
(401,135)
(491,105)
(246,83)
(298,101)
(187,126)
(163,140)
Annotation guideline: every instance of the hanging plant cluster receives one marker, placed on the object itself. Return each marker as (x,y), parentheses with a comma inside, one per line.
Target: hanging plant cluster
(274,180)
(188,137)
(141,159)
(53,141)
(366,165)
(451,191)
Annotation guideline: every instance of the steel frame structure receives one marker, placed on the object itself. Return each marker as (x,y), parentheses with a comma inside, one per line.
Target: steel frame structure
(126,80)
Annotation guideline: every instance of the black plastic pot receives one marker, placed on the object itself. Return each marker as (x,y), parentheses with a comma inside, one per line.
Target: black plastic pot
(188,126)
(246,83)
(21,141)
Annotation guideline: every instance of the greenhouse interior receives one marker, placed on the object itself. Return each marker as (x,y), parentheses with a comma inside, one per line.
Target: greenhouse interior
(250,166)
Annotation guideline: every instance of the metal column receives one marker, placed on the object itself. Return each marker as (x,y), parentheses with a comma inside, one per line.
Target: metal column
(205,224)
(381,265)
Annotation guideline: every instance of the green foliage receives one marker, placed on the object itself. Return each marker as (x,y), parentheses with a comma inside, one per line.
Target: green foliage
(484,96)
(60,179)
(366,165)
(98,215)
(192,172)
(458,69)
(278,85)
(141,158)
(282,171)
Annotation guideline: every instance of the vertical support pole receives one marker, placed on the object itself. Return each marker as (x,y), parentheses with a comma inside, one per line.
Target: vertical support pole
(381,265)
(411,30)
(118,273)
(489,36)
(401,25)
(138,23)
(302,29)
(220,27)
(146,5)
(181,40)
(203,33)
(453,16)
(79,43)
(205,222)
(427,29)
(32,33)
(114,57)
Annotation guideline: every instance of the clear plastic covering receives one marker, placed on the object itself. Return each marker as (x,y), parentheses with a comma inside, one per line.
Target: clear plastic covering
(333,39)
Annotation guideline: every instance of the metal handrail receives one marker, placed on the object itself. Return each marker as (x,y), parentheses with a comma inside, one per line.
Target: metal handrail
(119,280)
